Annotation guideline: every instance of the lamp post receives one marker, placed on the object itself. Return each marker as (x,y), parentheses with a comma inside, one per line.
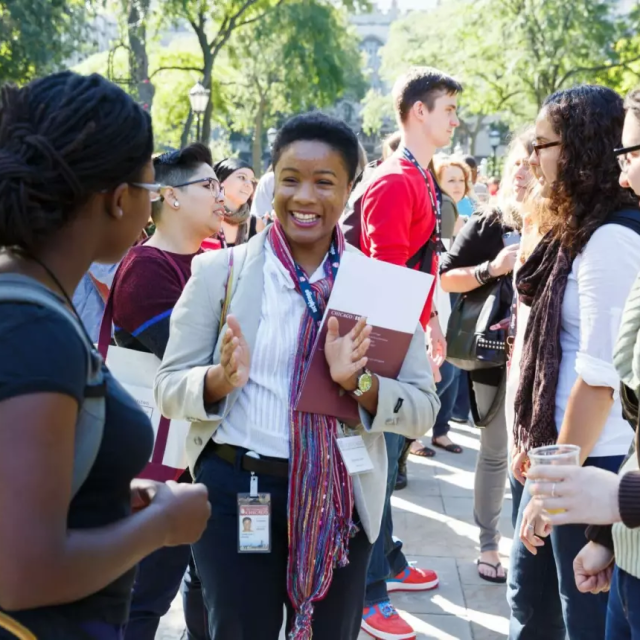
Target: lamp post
(494,141)
(199,98)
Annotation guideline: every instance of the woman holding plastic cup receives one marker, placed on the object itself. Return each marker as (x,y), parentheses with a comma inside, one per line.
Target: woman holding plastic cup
(568,385)
(595,496)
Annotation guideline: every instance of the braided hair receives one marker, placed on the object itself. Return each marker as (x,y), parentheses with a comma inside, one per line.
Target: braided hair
(64,138)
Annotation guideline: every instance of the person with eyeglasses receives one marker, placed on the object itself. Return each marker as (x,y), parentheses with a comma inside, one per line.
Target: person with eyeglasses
(239,182)
(187,208)
(67,562)
(576,282)
(611,558)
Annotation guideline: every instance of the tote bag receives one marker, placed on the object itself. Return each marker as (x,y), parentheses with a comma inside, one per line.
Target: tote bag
(136,372)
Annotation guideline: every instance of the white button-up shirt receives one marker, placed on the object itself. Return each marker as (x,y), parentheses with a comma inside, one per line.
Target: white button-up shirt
(259,420)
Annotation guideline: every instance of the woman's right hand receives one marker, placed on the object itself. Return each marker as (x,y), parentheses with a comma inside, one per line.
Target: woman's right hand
(235,357)
(505,261)
(185,510)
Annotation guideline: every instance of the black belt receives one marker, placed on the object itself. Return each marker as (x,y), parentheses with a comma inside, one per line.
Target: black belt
(267,466)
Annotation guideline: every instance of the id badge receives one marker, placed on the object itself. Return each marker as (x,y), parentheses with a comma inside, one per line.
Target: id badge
(355,455)
(254,523)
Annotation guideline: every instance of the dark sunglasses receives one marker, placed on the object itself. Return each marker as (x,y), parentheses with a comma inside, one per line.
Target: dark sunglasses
(623,155)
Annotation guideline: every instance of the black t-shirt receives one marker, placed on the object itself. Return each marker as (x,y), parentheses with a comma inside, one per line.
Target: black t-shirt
(481,239)
(40,352)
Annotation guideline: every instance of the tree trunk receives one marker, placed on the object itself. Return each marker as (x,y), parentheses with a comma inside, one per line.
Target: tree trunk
(186,130)
(257,139)
(473,134)
(138,57)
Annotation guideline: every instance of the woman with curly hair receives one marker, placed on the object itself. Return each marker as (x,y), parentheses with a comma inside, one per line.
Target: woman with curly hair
(576,282)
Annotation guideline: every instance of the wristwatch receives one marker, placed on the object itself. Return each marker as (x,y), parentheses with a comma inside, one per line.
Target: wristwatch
(363,383)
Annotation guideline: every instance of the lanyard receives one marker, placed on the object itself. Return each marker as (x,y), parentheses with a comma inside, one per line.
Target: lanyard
(435,206)
(309,295)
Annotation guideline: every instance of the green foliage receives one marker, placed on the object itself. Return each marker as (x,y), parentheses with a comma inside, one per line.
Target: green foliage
(36,36)
(511,54)
(302,55)
(376,110)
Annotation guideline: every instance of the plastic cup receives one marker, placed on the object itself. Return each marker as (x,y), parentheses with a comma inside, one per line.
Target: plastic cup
(563,454)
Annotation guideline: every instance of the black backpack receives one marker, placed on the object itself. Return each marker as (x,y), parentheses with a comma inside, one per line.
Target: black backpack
(351,220)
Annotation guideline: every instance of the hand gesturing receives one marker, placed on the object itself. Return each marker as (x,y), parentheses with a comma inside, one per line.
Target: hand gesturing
(235,358)
(346,355)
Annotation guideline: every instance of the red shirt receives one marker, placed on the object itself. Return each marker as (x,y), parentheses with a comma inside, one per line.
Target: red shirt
(397,217)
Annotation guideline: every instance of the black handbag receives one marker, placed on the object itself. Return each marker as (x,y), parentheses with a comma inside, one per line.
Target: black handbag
(471,343)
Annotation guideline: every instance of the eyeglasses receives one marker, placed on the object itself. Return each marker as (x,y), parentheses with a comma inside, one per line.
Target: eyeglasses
(214,185)
(623,155)
(153,188)
(545,145)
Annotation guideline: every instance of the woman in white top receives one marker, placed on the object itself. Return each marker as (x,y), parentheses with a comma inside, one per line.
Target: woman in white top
(238,386)
(576,282)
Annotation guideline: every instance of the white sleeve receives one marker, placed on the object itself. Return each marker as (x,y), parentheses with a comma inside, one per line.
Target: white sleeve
(263,197)
(607,270)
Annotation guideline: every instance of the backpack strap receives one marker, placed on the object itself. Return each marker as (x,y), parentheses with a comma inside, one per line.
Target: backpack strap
(91,415)
(629,218)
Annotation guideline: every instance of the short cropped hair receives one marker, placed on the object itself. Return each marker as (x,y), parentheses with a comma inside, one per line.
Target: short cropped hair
(422,84)
(322,128)
(177,167)
(471,162)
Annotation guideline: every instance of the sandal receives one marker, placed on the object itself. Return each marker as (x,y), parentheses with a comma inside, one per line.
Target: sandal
(418,449)
(496,567)
(451,448)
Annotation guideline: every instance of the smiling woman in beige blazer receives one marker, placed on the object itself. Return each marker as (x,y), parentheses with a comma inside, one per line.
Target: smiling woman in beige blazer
(236,388)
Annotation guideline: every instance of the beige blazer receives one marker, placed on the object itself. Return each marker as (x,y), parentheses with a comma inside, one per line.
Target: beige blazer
(194,345)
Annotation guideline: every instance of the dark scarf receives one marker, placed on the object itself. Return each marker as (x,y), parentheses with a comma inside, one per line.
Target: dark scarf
(541,284)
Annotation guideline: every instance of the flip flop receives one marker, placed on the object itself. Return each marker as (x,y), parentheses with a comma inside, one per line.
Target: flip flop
(451,448)
(495,579)
(422,451)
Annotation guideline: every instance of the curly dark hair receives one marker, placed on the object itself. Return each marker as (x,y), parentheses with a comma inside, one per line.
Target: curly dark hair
(589,121)
(63,138)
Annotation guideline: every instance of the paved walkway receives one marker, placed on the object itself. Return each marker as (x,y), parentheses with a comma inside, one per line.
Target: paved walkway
(434,518)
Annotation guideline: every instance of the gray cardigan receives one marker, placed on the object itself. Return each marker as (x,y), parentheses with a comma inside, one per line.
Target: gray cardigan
(194,345)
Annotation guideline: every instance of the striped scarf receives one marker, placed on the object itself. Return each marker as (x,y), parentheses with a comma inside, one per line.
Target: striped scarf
(321,499)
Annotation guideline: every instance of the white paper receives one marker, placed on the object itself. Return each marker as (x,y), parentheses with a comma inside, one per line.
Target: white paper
(355,455)
(389,296)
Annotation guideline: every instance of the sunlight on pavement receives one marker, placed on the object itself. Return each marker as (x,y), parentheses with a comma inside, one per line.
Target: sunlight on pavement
(489,621)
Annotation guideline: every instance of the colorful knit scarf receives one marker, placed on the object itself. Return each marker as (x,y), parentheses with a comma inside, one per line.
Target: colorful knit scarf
(321,499)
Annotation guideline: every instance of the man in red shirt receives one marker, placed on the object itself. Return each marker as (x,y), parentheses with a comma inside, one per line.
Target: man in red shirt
(400,224)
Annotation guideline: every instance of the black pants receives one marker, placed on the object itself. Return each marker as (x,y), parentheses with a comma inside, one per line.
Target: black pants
(245,594)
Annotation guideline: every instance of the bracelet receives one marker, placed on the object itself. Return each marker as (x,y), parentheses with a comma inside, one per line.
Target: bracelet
(482,273)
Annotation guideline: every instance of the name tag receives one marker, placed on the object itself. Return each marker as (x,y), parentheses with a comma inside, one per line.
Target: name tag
(355,455)
(254,523)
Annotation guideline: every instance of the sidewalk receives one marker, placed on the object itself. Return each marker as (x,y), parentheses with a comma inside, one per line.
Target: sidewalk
(434,518)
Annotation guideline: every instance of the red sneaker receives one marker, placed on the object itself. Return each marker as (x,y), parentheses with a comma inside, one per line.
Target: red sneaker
(413,579)
(383,622)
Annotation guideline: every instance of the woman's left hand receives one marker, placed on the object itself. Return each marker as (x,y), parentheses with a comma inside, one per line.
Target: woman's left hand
(585,495)
(535,526)
(346,355)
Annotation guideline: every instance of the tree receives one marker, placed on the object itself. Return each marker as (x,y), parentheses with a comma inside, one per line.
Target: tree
(299,56)
(511,54)
(37,36)
(214,23)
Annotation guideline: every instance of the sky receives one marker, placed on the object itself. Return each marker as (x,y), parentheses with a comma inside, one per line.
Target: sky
(407,4)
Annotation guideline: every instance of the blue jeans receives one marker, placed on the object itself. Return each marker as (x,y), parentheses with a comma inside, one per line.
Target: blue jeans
(387,559)
(103,631)
(623,614)
(447,390)
(545,602)
(462,406)
(157,583)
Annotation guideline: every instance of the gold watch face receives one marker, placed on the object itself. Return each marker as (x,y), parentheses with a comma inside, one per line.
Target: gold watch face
(365,382)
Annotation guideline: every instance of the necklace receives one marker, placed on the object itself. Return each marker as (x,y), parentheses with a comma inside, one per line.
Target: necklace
(49,272)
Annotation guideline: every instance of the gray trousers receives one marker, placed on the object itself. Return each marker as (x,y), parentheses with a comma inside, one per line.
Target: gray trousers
(491,470)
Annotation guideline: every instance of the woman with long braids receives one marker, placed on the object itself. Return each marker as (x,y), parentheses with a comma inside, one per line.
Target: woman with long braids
(75,184)
(576,282)
(239,385)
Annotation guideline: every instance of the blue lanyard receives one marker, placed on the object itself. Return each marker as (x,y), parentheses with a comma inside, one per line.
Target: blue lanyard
(435,206)
(307,291)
